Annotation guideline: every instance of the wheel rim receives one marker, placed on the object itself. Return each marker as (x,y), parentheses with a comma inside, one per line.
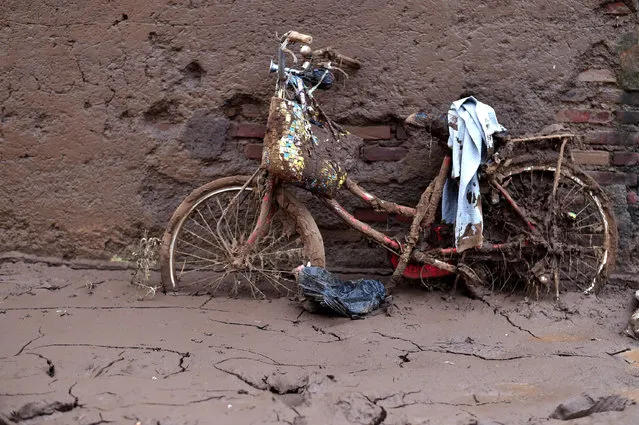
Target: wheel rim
(205,248)
(578,230)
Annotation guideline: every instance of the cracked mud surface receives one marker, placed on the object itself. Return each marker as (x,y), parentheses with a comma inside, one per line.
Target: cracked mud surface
(91,354)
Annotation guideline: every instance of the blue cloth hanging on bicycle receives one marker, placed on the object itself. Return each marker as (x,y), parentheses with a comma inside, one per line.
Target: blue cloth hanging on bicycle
(471,127)
(353,298)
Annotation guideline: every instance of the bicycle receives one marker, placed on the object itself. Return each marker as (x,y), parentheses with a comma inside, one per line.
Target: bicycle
(546,222)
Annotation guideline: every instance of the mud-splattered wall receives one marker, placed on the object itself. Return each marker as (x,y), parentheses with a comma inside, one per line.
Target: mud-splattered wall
(111,112)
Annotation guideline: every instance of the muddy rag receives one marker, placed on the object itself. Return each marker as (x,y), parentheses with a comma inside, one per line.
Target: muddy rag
(471,127)
(353,298)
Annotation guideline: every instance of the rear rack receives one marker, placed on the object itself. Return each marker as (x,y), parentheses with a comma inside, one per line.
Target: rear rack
(559,138)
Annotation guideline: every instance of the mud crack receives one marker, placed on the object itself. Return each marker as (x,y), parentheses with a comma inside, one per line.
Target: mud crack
(323,332)
(405,359)
(180,364)
(186,403)
(479,356)
(50,365)
(108,365)
(510,321)
(29,342)
(380,417)
(183,355)
(23,394)
(402,396)
(120,347)
(505,315)
(260,327)
(414,344)
(399,401)
(258,385)
(276,382)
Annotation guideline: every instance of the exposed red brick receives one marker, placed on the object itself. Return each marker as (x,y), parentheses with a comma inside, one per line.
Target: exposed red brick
(249,130)
(610,177)
(597,76)
(371,132)
(383,153)
(370,215)
(628,117)
(625,158)
(253,151)
(584,116)
(632,197)
(591,157)
(617,8)
(611,95)
(612,138)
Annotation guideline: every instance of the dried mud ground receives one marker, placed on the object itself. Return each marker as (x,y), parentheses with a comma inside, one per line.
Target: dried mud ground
(79,347)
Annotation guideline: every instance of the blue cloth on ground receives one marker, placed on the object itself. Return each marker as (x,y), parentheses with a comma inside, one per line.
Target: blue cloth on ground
(471,127)
(352,298)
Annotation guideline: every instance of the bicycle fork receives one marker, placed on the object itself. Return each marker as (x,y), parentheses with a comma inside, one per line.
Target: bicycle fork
(264,219)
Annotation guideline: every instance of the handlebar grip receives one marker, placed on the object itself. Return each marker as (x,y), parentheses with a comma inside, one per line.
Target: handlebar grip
(298,37)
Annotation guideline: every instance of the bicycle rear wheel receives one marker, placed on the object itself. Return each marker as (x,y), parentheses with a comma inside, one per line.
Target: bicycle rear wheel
(579,232)
(207,234)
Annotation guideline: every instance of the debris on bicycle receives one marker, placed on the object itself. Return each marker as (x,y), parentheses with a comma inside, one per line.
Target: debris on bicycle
(436,124)
(353,298)
(471,128)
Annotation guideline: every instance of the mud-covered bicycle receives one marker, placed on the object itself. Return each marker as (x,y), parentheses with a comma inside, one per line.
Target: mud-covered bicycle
(546,222)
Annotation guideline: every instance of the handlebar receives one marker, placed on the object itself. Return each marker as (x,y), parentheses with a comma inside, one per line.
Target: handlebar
(327,58)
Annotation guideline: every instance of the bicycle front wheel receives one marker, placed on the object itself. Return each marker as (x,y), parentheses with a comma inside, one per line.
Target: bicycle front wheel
(208,232)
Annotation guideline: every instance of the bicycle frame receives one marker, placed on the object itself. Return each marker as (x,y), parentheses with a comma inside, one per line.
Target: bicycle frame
(543,221)
(434,260)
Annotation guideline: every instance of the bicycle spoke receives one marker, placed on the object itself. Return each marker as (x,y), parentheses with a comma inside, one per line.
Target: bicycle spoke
(202,239)
(223,212)
(566,205)
(593,214)
(208,228)
(189,254)
(197,247)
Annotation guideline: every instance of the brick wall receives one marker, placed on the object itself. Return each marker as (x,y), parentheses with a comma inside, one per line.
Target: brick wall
(602,105)
(105,128)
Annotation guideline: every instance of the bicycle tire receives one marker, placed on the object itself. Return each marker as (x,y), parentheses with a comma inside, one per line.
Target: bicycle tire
(582,222)
(193,237)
